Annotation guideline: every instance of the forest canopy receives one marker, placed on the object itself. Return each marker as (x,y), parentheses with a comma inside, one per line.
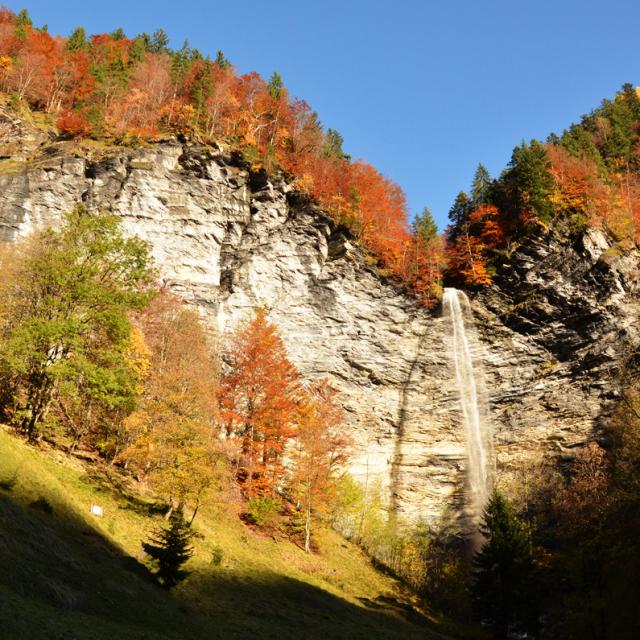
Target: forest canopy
(139,89)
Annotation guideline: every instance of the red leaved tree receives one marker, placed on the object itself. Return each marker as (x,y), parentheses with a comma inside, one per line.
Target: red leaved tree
(258,399)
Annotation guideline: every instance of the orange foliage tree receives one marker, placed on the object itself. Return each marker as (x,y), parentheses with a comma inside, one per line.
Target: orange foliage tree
(319,454)
(112,85)
(259,395)
(469,251)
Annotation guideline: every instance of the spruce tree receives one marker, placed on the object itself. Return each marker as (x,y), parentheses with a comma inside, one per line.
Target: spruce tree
(160,42)
(531,179)
(170,549)
(502,592)
(77,40)
(222,61)
(118,34)
(425,226)
(579,143)
(275,85)
(480,186)
(459,213)
(23,19)
(332,147)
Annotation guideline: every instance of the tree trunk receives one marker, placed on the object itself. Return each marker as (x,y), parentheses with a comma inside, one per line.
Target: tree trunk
(195,512)
(307,524)
(169,512)
(37,406)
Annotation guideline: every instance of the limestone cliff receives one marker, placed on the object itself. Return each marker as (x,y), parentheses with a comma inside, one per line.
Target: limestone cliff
(229,240)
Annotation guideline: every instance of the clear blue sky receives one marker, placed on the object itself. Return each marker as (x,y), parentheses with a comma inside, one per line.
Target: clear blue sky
(424,90)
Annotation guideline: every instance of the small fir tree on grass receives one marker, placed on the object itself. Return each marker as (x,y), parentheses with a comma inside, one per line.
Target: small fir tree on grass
(170,549)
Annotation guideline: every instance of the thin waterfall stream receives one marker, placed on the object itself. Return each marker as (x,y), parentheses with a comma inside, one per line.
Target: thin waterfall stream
(472,401)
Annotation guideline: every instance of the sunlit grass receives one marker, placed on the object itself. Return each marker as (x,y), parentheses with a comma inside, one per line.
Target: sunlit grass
(66,573)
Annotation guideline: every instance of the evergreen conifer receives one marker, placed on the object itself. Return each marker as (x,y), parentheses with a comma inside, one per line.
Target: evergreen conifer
(425,226)
(480,186)
(502,592)
(170,549)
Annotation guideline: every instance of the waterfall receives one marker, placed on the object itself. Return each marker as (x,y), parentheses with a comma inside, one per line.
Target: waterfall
(472,402)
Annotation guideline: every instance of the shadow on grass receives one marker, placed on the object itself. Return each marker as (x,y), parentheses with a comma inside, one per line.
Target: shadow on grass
(103,478)
(59,570)
(266,605)
(9,482)
(50,553)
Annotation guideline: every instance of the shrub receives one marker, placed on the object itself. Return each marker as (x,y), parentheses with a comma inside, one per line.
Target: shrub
(216,556)
(263,511)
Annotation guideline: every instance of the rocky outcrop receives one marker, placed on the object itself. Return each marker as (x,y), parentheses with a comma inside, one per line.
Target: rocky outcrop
(559,321)
(229,240)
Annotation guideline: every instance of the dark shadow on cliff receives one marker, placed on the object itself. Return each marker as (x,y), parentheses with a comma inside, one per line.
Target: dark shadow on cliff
(405,399)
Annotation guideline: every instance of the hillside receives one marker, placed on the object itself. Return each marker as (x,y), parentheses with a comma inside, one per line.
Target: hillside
(65,573)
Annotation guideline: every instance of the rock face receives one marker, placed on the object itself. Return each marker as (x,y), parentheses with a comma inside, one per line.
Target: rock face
(229,240)
(561,318)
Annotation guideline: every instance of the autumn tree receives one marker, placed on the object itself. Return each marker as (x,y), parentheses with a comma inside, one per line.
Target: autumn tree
(69,322)
(469,246)
(319,454)
(171,438)
(259,394)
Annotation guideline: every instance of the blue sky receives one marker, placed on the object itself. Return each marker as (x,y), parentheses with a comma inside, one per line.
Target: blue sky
(424,90)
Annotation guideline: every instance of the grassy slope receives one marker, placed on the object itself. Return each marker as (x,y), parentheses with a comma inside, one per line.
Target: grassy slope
(66,574)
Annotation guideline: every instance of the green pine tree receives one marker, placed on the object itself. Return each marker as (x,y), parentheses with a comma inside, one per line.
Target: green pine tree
(275,85)
(332,147)
(502,592)
(170,549)
(23,19)
(77,40)
(180,63)
(221,61)
(160,42)
(579,143)
(137,50)
(425,226)
(531,180)
(202,90)
(147,41)
(480,186)
(118,34)
(459,213)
